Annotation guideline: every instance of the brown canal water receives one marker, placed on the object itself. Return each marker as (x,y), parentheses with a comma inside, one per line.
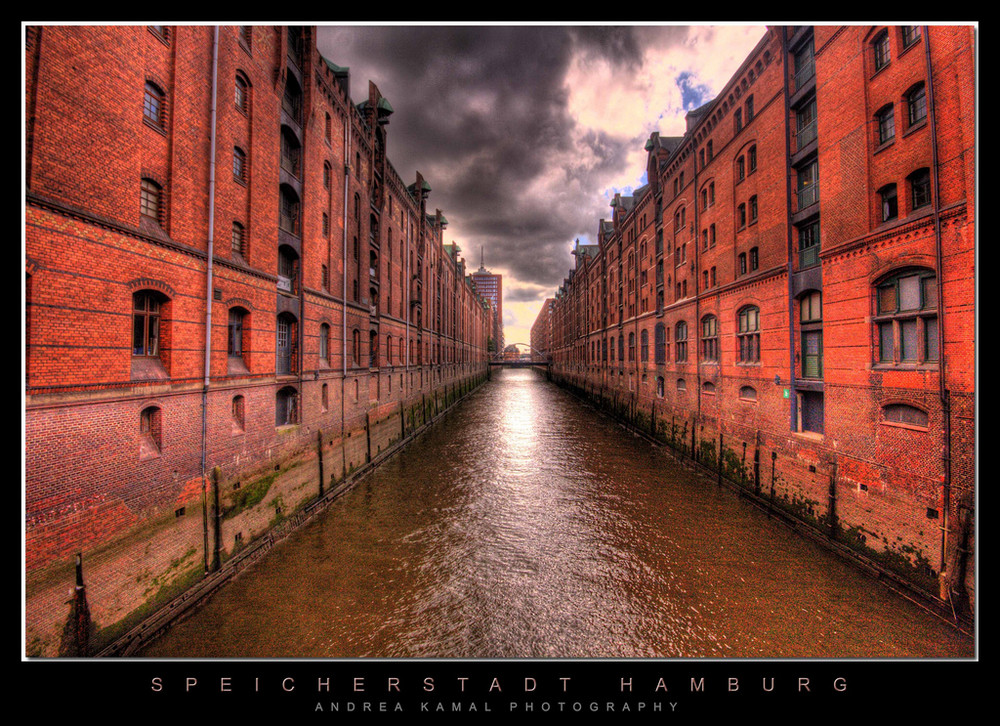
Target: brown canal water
(524,525)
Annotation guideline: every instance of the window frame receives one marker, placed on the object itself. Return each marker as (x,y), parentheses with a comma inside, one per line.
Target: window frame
(897,321)
(748,335)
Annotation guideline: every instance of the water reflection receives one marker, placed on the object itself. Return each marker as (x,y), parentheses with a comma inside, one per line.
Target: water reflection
(523,525)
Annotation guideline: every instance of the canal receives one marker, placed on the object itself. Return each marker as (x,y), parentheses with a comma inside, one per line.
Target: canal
(523,525)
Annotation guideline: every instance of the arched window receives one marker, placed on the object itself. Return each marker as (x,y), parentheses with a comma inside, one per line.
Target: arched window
(356,346)
(631,347)
(906,323)
(751,155)
(708,387)
(660,343)
(241,96)
(748,393)
(239,165)
(286,406)
(916,104)
(659,386)
(644,345)
(151,201)
(237,319)
(710,338)
(150,432)
(920,188)
(888,203)
(324,343)
(748,335)
(681,384)
(146,310)
(901,413)
(880,50)
(885,124)
(325,397)
(237,408)
(153,106)
(239,243)
(680,341)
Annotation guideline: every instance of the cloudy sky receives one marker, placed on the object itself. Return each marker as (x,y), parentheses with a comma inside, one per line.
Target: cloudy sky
(525,133)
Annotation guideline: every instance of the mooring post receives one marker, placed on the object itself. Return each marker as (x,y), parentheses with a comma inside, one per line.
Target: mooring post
(719,463)
(368,433)
(756,463)
(319,455)
(216,520)
(81,614)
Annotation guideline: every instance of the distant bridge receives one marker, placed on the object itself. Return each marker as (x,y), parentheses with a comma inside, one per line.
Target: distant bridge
(538,358)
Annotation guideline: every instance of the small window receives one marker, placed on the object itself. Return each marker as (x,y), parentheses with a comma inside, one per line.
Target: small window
(748,335)
(754,258)
(752,159)
(681,384)
(741,215)
(237,317)
(749,106)
(152,106)
(740,168)
(246,36)
(710,338)
(748,393)
(899,413)
(753,209)
(324,343)
(325,398)
(708,387)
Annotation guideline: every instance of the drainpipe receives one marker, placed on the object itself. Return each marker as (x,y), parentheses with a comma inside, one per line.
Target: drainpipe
(343,313)
(208,293)
(792,407)
(945,585)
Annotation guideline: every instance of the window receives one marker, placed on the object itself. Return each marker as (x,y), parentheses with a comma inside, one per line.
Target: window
(711,235)
(741,216)
(161,31)
(810,321)
(621,348)
(920,188)
(631,346)
(152,106)
(743,263)
(906,318)
(881,50)
(151,200)
(246,36)
(885,122)
(326,224)
(660,344)
(239,165)
(910,34)
(748,393)
(235,339)
(807,188)
(708,387)
(239,240)
(659,386)
(680,341)
(748,335)
(238,410)
(150,432)
(888,202)
(291,152)
(325,277)
(644,345)
(916,104)
(681,384)
(356,346)
(740,168)
(900,413)
(241,94)
(753,209)
(754,258)
(324,343)
(809,245)
(804,67)
(710,338)
(327,174)
(751,159)
(738,120)
(805,125)
(286,407)
(146,310)
(285,345)
(749,106)
(325,396)
(288,217)
(287,270)
(810,411)
(710,152)
(711,193)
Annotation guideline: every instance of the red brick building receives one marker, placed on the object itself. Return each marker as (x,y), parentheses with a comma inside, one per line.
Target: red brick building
(541,330)
(790,300)
(189,179)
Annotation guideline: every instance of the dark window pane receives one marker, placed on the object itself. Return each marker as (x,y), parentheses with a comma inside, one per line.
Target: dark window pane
(931,335)
(908,340)
(885,342)
(909,293)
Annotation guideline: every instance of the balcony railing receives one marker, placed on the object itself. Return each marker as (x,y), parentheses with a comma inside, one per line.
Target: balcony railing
(809,256)
(805,73)
(808,195)
(805,135)
(285,283)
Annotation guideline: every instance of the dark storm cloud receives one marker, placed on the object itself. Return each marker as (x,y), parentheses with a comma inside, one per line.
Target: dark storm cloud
(481,113)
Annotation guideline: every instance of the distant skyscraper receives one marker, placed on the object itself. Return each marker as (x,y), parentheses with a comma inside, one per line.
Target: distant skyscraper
(490,288)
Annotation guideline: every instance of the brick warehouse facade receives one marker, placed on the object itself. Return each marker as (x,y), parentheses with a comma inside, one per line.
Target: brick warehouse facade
(192,178)
(789,300)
